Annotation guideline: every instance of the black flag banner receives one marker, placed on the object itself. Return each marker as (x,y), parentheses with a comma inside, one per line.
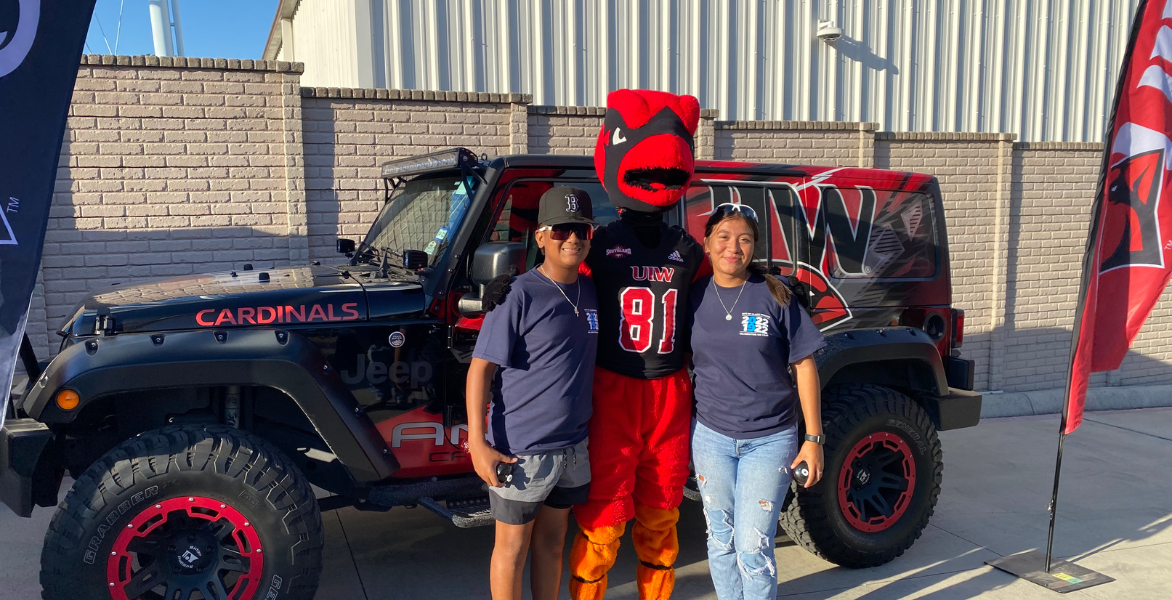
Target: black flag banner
(40,49)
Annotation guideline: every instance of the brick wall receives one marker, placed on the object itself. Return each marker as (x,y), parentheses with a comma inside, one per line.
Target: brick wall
(177,166)
(349,133)
(564,129)
(574,130)
(168,167)
(1053,187)
(820,143)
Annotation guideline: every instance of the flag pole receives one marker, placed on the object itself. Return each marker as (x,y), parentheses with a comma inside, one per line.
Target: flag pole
(1054,496)
(1089,265)
(1079,311)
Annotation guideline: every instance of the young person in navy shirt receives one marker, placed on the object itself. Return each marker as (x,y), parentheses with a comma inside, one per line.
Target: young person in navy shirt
(533,368)
(746,331)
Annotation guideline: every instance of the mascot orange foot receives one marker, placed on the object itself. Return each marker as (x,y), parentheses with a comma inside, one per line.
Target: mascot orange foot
(642,394)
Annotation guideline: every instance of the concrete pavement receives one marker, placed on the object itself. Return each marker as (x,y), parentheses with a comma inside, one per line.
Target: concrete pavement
(1115,513)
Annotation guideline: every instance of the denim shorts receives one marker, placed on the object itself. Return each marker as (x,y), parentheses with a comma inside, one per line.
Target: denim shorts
(558,479)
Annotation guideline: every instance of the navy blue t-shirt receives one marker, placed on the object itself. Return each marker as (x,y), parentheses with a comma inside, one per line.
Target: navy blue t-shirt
(742,383)
(541,394)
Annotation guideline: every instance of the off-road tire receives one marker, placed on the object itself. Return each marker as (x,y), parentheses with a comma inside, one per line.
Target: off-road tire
(815,519)
(217,466)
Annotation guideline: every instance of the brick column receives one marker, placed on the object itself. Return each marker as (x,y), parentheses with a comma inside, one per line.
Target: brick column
(1002,200)
(519,123)
(293,131)
(867,143)
(706,134)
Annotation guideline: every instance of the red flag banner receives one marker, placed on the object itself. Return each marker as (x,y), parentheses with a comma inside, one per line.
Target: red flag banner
(1128,259)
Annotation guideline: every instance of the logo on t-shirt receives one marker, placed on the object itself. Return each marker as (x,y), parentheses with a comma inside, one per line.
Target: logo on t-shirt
(675,255)
(754,324)
(592,319)
(618,251)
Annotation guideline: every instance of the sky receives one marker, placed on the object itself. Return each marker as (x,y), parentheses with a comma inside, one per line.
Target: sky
(211,28)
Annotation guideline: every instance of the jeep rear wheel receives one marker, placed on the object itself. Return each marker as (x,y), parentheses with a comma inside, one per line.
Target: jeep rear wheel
(882,479)
(186,512)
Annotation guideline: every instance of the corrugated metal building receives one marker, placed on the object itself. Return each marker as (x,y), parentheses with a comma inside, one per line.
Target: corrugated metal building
(1044,69)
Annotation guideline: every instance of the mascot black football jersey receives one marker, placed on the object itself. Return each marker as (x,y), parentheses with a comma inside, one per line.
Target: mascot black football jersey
(639,335)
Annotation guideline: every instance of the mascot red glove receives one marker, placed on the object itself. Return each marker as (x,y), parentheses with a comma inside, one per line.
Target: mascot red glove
(642,393)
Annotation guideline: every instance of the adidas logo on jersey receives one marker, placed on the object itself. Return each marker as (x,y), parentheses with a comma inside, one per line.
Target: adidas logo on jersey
(675,255)
(618,251)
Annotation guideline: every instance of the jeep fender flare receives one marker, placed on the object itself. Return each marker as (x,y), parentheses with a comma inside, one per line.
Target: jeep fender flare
(904,345)
(283,360)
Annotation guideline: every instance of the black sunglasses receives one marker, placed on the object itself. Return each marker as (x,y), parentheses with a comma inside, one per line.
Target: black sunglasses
(728,208)
(561,233)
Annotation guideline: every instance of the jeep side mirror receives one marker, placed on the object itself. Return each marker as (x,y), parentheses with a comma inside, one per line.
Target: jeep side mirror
(345,246)
(491,260)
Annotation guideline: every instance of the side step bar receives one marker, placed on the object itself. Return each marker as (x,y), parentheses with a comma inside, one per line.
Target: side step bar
(463,501)
(473,512)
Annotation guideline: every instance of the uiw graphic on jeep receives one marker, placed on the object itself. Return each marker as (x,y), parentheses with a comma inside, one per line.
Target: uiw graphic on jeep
(202,408)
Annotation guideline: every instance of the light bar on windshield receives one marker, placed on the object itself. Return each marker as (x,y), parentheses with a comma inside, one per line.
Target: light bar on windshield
(425,163)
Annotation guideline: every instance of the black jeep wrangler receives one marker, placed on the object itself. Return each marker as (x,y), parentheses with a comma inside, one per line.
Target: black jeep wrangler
(195,412)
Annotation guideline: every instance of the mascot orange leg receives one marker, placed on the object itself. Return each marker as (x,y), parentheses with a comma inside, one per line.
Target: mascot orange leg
(654,537)
(593,554)
(638,464)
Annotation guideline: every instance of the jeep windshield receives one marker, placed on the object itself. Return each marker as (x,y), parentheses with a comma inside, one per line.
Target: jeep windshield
(422,214)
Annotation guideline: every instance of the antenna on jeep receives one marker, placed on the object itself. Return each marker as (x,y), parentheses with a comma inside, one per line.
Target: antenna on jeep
(383,265)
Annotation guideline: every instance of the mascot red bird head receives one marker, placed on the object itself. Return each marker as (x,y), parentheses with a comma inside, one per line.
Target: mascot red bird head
(644,151)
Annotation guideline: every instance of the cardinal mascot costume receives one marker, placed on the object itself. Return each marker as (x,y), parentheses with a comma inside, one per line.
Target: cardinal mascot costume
(642,393)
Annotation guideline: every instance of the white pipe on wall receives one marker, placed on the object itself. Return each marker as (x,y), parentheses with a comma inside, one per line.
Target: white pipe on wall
(178,28)
(161,28)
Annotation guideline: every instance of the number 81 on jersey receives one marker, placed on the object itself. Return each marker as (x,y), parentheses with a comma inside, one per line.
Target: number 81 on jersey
(638,320)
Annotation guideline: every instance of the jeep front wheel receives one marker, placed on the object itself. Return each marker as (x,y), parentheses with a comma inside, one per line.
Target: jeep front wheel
(186,509)
(882,479)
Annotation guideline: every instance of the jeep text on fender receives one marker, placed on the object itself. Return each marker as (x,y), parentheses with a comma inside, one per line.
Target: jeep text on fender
(351,376)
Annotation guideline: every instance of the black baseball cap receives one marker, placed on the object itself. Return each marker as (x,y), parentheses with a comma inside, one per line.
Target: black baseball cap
(565,204)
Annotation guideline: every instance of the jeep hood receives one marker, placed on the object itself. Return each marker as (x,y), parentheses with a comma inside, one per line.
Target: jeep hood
(283,297)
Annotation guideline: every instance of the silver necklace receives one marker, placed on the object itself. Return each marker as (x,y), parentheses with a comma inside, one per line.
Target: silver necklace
(554,284)
(728,311)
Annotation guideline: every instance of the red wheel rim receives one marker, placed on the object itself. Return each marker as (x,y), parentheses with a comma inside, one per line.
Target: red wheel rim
(183,545)
(876,482)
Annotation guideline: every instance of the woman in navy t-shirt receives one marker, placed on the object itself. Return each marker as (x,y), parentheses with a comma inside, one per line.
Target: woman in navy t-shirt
(746,329)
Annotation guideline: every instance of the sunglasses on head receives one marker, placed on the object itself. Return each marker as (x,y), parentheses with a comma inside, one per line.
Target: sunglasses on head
(562,232)
(728,208)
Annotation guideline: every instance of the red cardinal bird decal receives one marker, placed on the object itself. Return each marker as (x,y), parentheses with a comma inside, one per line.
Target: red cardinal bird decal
(644,151)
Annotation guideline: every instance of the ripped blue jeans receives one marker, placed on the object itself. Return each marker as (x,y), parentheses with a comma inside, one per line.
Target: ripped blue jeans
(743,483)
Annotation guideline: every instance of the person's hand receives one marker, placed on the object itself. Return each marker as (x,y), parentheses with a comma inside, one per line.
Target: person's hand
(495,291)
(485,458)
(811,453)
(800,292)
